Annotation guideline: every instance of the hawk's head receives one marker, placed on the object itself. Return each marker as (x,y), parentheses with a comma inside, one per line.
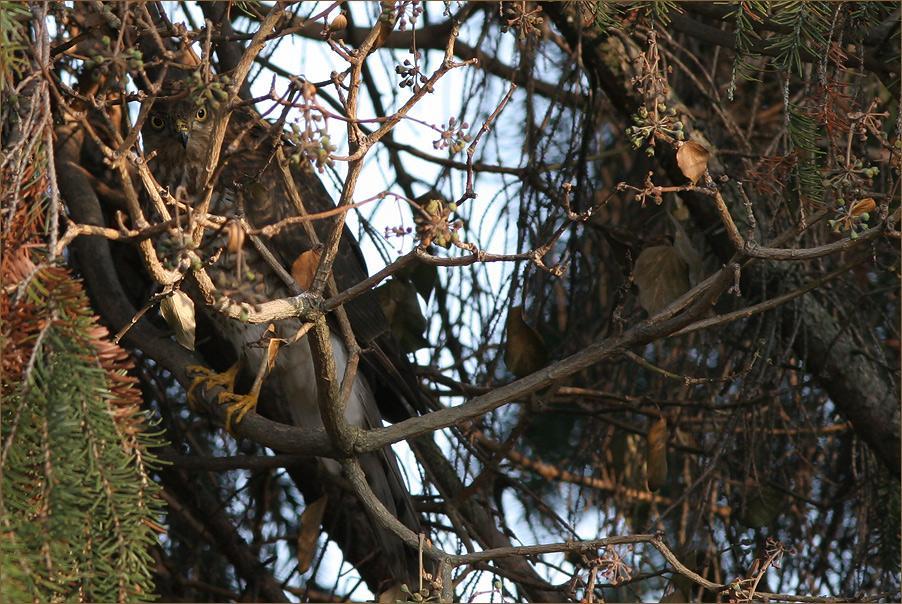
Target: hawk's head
(179,134)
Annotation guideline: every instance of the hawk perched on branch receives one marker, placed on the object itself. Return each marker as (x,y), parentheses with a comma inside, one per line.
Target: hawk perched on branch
(252,187)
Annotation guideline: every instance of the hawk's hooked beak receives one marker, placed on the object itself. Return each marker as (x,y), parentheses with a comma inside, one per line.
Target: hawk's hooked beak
(181,132)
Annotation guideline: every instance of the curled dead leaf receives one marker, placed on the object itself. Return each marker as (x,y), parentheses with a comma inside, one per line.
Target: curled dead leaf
(303,269)
(272,347)
(178,311)
(422,276)
(625,457)
(675,596)
(862,206)
(762,506)
(525,350)
(236,237)
(656,460)
(693,259)
(339,22)
(680,211)
(661,275)
(398,299)
(692,158)
(308,532)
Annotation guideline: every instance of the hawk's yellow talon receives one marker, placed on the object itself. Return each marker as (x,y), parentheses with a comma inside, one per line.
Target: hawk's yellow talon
(206,377)
(237,406)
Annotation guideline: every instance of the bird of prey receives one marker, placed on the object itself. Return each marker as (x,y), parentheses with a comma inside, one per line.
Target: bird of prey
(251,186)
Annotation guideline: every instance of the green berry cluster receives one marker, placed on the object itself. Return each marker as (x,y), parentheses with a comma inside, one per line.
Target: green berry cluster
(660,122)
(212,93)
(105,60)
(435,226)
(316,148)
(852,217)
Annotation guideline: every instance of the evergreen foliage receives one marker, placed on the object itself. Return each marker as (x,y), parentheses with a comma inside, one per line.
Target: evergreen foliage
(78,507)
(804,136)
(747,16)
(606,14)
(660,10)
(78,502)
(806,27)
(12,41)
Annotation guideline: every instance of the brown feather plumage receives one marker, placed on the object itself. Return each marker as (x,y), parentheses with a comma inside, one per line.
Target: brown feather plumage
(251,185)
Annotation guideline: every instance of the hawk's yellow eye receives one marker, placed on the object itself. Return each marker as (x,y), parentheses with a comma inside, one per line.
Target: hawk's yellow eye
(201,114)
(157,122)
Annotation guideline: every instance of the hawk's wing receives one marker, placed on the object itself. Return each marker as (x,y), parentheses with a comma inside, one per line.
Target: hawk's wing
(389,384)
(391,375)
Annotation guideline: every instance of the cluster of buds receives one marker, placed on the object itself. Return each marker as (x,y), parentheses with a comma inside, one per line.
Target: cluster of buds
(453,136)
(660,122)
(411,77)
(211,93)
(177,251)
(871,172)
(316,148)
(434,226)
(854,217)
(397,231)
(415,11)
(103,60)
(526,22)
(851,181)
(851,178)
(389,13)
(428,593)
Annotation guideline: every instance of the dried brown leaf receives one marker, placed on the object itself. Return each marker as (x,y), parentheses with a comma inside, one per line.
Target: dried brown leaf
(308,532)
(675,596)
(423,277)
(525,350)
(272,347)
(398,299)
(683,245)
(692,158)
(680,211)
(625,457)
(863,206)
(178,311)
(339,22)
(303,269)
(661,276)
(236,237)
(762,505)
(656,462)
